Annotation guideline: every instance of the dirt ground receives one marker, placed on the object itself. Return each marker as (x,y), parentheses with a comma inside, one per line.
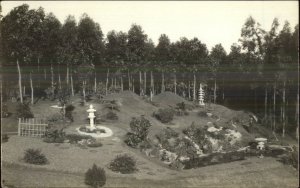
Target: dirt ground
(69,162)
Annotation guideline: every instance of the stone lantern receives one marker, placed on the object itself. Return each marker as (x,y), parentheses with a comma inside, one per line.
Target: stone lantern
(261,145)
(91,112)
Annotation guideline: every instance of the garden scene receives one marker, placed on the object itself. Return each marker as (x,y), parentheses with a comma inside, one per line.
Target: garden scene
(80,108)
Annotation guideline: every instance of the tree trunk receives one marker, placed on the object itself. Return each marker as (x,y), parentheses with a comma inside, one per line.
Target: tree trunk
(31,86)
(175,84)
(128,80)
(20,82)
(39,72)
(133,89)
(112,82)
(283,111)
(106,85)
(45,74)
(95,84)
(132,82)
(72,86)
(122,86)
(52,80)
(215,91)
(266,102)
(24,90)
(67,77)
(274,108)
(194,86)
(59,81)
(145,83)
(140,83)
(297,116)
(223,95)
(151,82)
(162,82)
(189,90)
(83,91)
(255,105)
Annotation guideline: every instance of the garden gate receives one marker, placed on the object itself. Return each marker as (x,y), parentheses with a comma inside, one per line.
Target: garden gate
(34,127)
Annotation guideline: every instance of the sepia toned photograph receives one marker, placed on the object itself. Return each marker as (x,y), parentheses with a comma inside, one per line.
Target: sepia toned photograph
(149,94)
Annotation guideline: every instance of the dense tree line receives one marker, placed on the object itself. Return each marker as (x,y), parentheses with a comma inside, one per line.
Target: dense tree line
(49,55)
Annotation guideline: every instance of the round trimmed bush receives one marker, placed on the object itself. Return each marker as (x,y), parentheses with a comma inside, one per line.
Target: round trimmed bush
(95,176)
(164,115)
(124,164)
(34,156)
(111,115)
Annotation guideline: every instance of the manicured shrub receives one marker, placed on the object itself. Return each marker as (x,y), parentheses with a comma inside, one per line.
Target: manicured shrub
(95,177)
(23,111)
(34,156)
(132,140)
(54,136)
(164,115)
(88,130)
(124,164)
(74,138)
(202,114)
(56,118)
(95,145)
(139,131)
(69,110)
(111,115)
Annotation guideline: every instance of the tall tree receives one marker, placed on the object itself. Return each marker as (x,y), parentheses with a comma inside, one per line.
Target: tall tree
(252,40)
(136,43)
(116,51)
(18,30)
(90,40)
(68,52)
(217,57)
(162,50)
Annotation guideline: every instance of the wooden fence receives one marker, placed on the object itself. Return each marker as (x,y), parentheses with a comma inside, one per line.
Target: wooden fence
(33,127)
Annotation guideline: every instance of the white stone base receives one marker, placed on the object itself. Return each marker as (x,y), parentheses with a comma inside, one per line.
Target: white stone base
(108,132)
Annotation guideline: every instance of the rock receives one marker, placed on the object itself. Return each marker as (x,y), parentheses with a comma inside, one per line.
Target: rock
(209,114)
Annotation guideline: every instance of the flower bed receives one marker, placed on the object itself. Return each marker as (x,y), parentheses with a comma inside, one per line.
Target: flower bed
(101,133)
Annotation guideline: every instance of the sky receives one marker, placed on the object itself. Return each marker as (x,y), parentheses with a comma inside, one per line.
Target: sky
(212,22)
